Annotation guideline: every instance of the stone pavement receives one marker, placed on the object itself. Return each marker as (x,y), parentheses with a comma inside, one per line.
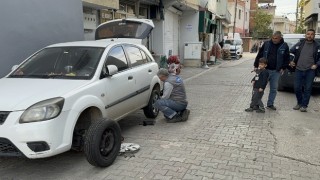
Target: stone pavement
(219,141)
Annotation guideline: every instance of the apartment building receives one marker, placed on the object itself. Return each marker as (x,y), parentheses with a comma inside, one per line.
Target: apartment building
(312,15)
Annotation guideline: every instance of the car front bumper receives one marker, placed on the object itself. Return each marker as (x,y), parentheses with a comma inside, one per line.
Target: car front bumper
(26,139)
(287,80)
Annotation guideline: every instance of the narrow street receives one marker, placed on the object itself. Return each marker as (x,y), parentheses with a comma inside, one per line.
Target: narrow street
(219,141)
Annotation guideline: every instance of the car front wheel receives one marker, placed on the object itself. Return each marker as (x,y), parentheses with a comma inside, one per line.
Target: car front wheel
(150,111)
(102,142)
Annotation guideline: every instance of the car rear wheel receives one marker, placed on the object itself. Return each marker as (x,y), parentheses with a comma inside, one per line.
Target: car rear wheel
(102,142)
(150,111)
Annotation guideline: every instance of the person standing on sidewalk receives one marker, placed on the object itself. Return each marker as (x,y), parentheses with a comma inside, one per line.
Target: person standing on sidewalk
(276,51)
(259,81)
(306,61)
(173,102)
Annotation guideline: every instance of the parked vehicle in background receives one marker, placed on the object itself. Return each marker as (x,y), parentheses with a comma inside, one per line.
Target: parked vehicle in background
(286,81)
(70,95)
(235,47)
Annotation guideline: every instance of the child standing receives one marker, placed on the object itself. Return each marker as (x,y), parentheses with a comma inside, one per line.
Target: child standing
(259,82)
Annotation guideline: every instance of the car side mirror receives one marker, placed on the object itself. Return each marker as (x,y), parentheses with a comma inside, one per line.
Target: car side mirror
(110,70)
(14,67)
(292,56)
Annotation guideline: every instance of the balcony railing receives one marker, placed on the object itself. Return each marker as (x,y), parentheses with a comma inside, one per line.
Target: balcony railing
(102,4)
(226,17)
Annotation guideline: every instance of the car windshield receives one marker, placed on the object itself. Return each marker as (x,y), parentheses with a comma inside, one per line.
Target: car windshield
(233,42)
(125,29)
(292,41)
(61,62)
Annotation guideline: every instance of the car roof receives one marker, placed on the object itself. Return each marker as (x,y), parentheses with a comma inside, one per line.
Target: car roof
(98,43)
(298,36)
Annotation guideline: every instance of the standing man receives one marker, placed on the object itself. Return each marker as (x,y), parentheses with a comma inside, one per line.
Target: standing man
(306,61)
(173,102)
(276,51)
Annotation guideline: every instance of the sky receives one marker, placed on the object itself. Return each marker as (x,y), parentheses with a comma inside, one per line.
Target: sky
(284,7)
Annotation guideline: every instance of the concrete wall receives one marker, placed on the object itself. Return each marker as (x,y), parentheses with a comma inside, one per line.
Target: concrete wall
(189,24)
(27,26)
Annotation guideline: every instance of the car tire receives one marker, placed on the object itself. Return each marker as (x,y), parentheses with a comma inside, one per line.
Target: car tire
(150,111)
(102,133)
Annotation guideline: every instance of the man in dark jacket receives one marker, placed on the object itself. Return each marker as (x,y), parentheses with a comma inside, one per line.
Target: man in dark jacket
(276,51)
(306,61)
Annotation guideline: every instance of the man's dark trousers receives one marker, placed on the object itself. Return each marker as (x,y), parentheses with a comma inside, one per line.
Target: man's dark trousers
(303,79)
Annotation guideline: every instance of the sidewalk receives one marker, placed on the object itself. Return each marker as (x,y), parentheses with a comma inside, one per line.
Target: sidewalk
(188,73)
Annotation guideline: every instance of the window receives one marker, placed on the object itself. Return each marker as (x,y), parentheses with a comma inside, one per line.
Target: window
(239,14)
(135,56)
(117,57)
(145,57)
(62,62)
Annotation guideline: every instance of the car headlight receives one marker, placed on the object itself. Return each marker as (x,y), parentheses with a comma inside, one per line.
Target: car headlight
(43,110)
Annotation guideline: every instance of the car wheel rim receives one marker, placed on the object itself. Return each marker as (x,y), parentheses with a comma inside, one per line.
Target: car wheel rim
(155,98)
(107,142)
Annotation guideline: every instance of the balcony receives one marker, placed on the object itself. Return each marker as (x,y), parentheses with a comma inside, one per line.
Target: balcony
(182,5)
(265,1)
(227,17)
(311,8)
(101,4)
(222,11)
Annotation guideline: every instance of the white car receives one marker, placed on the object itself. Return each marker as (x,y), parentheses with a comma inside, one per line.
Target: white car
(70,95)
(235,47)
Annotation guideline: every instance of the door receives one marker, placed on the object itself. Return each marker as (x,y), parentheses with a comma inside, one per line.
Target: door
(118,88)
(143,70)
(171,35)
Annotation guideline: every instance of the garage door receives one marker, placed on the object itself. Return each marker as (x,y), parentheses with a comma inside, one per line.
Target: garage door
(171,35)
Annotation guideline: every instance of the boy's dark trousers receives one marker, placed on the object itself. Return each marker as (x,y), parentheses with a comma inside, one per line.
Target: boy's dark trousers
(256,99)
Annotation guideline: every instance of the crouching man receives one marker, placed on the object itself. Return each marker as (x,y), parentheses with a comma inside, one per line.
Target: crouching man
(173,102)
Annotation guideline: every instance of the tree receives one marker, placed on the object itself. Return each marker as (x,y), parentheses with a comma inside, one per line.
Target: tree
(300,28)
(262,21)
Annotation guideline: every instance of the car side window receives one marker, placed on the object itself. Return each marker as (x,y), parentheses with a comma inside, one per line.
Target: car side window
(135,56)
(145,57)
(118,58)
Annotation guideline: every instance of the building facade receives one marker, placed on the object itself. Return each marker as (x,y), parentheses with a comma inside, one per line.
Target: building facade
(264,5)
(283,24)
(312,15)
(31,25)
(239,10)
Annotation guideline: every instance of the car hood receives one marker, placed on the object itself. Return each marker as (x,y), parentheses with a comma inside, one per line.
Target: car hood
(19,94)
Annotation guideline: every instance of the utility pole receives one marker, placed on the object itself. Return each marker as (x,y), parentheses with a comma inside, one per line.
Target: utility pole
(297,15)
(235,17)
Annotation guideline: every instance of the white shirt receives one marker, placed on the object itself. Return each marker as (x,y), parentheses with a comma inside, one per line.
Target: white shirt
(167,89)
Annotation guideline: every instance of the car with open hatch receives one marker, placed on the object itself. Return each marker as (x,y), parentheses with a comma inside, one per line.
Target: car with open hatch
(71,95)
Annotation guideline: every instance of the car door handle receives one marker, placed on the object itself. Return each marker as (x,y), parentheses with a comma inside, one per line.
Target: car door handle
(130,77)
(150,70)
